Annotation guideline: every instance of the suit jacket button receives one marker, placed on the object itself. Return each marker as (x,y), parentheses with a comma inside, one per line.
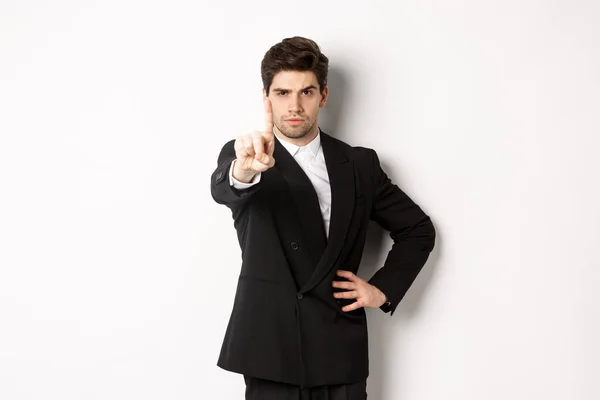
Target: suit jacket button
(294,245)
(300,296)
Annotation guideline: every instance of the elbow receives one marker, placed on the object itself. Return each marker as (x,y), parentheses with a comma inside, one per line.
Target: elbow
(425,233)
(422,233)
(431,234)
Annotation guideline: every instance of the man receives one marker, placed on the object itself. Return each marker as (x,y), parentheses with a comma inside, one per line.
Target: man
(301,202)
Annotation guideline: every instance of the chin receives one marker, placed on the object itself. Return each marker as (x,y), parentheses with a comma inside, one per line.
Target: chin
(295,135)
(298,133)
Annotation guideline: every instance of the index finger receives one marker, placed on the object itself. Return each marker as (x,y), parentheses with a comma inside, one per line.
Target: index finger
(268,116)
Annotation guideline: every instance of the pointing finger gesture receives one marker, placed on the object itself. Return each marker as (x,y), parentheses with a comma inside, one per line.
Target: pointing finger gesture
(268,132)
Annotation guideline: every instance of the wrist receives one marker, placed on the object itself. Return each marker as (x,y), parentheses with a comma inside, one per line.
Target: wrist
(383,298)
(241,175)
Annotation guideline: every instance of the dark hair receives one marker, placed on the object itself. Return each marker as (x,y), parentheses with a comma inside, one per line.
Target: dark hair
(294,54)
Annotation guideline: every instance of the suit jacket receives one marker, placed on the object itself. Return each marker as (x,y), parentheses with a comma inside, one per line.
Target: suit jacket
(285,324)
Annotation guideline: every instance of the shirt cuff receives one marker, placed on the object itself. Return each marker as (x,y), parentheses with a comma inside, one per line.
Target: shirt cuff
(241,185)
(386,307)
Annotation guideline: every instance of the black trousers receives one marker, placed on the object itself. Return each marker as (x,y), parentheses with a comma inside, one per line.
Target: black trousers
(261,389)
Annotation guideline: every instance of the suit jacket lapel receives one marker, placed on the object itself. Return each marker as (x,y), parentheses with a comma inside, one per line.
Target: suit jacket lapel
(306,200)
(341,180)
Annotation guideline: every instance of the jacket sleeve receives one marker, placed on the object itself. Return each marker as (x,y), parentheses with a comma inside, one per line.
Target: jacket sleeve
(411,230)
(220,187)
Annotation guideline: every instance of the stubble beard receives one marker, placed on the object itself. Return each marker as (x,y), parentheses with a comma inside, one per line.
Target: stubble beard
(292,133)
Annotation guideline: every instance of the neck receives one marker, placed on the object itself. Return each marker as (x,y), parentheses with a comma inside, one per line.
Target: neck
(303,141)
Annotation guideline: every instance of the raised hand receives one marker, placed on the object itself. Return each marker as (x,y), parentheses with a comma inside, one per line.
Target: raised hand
(254,151)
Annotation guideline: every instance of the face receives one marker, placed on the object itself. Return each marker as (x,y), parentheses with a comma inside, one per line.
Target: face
(296,99)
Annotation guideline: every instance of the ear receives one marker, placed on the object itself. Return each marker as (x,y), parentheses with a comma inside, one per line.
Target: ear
(324,96)
(264,92)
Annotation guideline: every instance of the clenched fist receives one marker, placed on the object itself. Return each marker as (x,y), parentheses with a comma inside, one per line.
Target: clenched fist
(254,151)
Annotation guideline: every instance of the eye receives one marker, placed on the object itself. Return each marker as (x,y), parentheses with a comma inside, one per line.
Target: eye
(307,92)
(282,92)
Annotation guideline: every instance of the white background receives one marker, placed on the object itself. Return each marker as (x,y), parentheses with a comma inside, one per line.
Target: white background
(117,269)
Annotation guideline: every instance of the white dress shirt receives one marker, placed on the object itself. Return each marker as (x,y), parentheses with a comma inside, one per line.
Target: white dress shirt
(312,161)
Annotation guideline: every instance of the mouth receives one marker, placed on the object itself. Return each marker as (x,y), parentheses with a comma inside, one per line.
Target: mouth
(294,121)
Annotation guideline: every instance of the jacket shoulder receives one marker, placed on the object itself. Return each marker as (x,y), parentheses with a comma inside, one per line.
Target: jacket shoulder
(359,154)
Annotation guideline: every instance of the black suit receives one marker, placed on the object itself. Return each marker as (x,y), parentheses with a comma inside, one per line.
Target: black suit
(285,325)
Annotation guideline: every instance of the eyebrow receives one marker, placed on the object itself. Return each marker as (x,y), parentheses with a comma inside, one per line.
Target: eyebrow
(287,90)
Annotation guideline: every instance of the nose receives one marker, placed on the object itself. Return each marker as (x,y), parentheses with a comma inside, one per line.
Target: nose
(294,105)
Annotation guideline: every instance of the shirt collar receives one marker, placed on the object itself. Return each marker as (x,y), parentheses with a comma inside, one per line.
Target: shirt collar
(313,146)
